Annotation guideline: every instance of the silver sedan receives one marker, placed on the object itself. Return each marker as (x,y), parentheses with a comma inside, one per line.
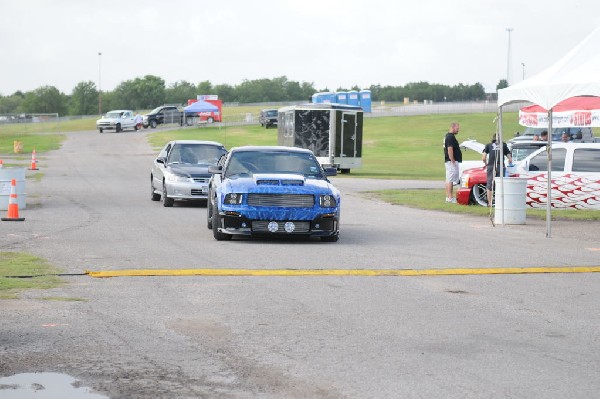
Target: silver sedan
(180,171)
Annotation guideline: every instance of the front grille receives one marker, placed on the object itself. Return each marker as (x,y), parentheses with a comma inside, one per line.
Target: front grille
(201,179)
(198,192)
(262,226)
(276,182)
(282,200)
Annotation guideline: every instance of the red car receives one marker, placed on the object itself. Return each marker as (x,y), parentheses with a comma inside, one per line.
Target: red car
(473,181)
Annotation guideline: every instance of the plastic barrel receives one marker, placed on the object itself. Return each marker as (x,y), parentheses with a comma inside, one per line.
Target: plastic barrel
(6,175)
(512,201)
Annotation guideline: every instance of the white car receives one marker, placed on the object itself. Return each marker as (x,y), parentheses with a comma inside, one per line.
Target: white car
(575,175)
(117,120)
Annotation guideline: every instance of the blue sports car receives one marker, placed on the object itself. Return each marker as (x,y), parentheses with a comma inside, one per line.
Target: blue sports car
(266,191)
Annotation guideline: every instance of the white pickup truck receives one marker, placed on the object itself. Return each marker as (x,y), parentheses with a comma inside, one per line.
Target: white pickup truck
(117,120)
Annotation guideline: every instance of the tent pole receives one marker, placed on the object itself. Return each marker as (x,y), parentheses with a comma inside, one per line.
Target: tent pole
(549,187)
(499,137)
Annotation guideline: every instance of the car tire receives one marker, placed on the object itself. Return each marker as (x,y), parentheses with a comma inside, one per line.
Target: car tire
(210,119)
(153,124)
(333,238)
(167,202)
(216,222)
(209,212)
(100,130)
(479,195)
(153,195)
(118,128)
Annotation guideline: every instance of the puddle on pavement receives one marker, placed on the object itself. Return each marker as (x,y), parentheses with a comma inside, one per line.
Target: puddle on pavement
(44,386)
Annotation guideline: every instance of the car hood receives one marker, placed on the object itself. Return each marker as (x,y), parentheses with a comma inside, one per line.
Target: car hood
(473,145)
(189,169)
(279,183)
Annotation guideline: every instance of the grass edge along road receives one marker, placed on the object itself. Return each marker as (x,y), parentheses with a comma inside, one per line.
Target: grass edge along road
(14,265)
(433,199)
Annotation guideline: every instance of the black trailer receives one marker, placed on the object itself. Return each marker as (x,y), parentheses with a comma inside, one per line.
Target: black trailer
(333,132)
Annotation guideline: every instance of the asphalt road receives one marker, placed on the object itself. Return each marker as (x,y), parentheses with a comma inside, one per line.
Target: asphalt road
(471,336)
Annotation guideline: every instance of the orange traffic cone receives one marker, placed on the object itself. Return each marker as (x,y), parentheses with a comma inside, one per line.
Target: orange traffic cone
(13,207)
(33,161)
(1,163)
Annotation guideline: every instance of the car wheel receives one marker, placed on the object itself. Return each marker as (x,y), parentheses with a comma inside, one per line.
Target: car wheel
(153,195)
(216,222)
(210,119)
(167,202)
(100,130)
(479,195)
(333,238)
(209,213)
(153,124)
(118,127)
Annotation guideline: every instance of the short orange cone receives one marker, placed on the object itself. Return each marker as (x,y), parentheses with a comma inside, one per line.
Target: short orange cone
(13,207)
(33,161)
(1,163)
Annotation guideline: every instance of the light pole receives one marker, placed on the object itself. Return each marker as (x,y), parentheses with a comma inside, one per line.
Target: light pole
(100,84)
(523,64)
(508,57)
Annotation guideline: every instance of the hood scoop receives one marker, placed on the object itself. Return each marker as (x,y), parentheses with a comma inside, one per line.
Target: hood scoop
(279,180)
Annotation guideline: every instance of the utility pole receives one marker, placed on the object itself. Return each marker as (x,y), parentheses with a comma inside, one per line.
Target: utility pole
(100,84)
(508,57)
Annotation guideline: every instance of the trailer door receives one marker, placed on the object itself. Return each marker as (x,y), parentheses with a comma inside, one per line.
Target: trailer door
(347,135)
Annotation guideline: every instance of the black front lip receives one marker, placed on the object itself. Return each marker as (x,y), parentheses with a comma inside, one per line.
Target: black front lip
(234,224)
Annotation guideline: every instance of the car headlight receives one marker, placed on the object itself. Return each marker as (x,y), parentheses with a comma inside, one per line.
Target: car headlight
(327,201)
(233,199)
(174,177)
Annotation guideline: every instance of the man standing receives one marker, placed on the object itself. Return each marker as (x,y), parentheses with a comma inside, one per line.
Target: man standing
(491,158)
(452,157)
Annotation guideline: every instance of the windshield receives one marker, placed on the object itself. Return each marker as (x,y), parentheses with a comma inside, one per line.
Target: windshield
(522,151)
(156,110)
(114,115)
(272,112)
(195,154)
(251,162)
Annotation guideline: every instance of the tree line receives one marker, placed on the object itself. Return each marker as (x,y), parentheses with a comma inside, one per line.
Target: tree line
(151,91)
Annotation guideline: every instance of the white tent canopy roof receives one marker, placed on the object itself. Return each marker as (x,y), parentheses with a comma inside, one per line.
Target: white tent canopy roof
(575,74)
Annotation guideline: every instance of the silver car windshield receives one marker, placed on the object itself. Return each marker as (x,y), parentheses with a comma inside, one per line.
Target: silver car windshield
(252,162)
(195,154)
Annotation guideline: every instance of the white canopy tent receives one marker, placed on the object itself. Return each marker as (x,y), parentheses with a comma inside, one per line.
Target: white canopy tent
(575,74)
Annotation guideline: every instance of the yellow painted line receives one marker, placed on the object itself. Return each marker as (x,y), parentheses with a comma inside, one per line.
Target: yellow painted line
(340,272)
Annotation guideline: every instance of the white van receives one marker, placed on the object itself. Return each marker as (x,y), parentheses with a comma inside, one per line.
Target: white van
(575,176)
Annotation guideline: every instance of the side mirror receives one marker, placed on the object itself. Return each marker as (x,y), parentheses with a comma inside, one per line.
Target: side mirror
(215,170)
(330,171)
(162,160)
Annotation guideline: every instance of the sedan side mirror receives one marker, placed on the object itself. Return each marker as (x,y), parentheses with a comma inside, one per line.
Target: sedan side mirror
(161,160)
(215,170)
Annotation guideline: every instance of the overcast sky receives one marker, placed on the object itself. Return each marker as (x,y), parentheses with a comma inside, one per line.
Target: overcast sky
(330,43)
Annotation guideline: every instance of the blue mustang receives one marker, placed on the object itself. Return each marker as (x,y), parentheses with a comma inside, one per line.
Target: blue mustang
(265,191)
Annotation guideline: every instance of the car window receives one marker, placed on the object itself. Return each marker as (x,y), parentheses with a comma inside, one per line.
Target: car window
(251,162)
(520,152)
(539,163)
(586,160)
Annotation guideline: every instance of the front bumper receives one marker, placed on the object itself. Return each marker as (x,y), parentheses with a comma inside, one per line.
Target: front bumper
(187,191)
(279,223)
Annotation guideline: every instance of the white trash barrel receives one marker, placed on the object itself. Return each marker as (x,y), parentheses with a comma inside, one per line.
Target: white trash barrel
(6,175)
(513,201)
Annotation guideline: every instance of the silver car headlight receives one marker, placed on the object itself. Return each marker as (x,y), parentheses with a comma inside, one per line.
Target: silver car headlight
(172,177)
(327,201)
(233,199)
